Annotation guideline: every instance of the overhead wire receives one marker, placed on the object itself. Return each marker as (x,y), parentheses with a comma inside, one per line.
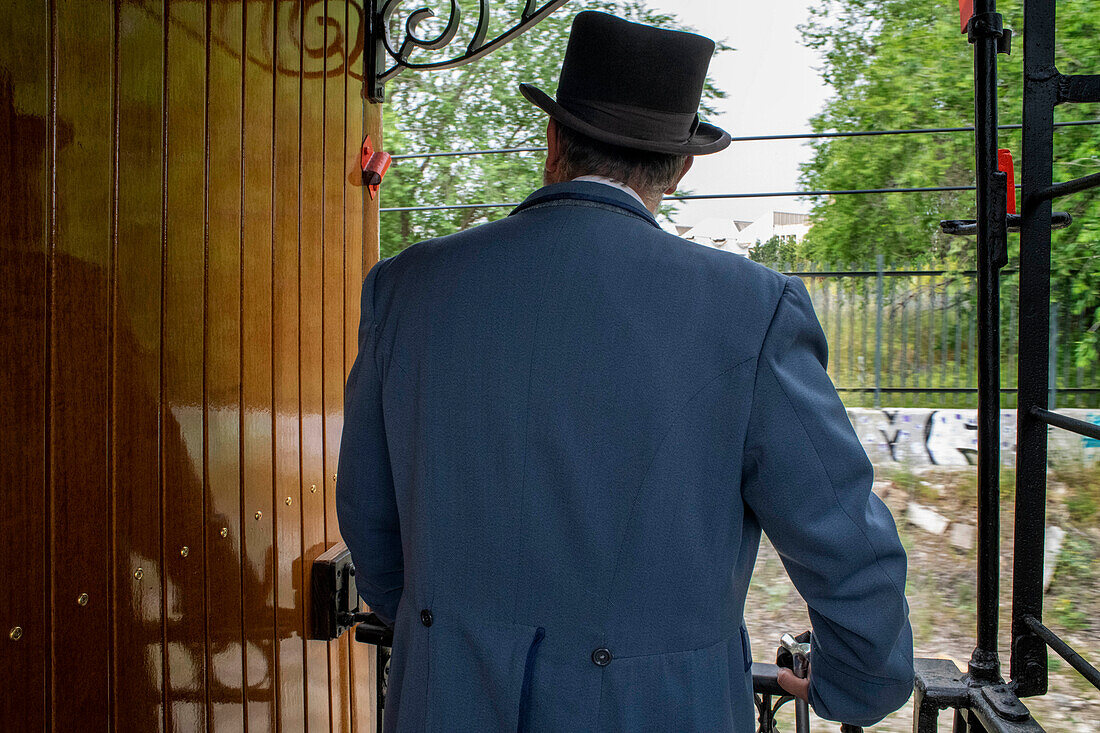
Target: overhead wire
(749,138)
(757,138)
(704,196)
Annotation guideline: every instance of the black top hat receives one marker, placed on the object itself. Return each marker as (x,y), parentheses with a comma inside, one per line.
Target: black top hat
(633,85)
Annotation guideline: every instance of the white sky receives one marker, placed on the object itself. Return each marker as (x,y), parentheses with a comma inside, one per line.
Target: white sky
(772,87)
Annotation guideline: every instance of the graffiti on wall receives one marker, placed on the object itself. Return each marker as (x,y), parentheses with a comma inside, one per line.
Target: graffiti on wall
(919,437)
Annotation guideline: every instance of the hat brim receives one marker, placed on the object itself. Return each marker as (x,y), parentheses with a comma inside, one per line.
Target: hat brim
(707,138)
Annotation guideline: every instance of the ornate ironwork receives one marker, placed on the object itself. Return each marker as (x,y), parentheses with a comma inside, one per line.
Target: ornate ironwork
(389,58)
(767,710)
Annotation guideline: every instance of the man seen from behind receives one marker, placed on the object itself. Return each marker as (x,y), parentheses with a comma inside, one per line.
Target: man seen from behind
(566,429)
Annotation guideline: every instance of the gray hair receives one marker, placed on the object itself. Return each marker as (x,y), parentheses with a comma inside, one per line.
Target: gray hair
(650,174)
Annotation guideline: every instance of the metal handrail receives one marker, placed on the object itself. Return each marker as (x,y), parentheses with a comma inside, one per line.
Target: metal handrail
(1064,650)
(1073,425)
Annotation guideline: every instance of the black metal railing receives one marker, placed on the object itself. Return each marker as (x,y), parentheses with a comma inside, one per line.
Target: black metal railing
(1044,89)
(982,700)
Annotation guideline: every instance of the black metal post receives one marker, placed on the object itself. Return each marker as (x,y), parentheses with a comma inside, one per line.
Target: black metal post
(1028,666)
(375,53)
(992,241)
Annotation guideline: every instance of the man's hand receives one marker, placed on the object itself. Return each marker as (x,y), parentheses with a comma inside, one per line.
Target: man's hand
(800,688)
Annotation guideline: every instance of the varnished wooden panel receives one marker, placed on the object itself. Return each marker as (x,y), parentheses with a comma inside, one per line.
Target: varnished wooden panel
(357,123)
(225,650)
(24,132)
(138,659)
(290,617)
(333,335)
(182,414)
(256,374)
(79,429)
(318,698)
(183,242)
(361,253)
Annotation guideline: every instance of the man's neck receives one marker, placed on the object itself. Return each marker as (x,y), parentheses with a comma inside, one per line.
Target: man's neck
(616,184)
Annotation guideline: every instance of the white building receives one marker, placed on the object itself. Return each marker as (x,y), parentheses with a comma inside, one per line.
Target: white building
(740,237)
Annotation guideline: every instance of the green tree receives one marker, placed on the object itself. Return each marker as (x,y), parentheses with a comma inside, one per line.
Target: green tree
(898,64)
(778,249)
(478,107)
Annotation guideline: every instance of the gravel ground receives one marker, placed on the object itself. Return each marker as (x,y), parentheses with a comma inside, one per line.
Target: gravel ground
(940,590)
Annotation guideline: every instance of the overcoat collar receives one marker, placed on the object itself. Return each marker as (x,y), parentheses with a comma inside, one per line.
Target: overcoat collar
(587,191)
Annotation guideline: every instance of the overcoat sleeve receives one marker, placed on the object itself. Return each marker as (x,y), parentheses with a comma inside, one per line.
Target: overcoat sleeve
(808,481)
(366,505)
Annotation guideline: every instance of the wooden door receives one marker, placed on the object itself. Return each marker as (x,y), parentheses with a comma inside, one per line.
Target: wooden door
(183,240)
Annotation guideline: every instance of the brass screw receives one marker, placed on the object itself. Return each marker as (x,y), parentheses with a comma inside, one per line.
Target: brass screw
(259,514)
(313,488)
(224,532)
(82,599)
(185,551)
(288,501)
(138,574)
(333,477)
(16,633)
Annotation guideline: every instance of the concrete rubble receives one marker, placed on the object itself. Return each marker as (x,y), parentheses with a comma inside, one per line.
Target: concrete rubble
(963,536)
(925,518)
(1052,548)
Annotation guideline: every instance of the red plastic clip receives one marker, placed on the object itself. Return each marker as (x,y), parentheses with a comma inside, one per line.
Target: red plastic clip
(966,12)
(374,165)
(1004,164)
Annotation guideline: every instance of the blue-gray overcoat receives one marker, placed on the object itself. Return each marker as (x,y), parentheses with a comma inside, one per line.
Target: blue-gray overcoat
(565,431)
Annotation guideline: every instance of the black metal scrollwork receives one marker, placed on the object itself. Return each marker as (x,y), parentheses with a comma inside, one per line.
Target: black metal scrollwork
(389,58)
(766,710)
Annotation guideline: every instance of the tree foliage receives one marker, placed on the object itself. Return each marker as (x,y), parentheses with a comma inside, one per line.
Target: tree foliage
(478,107)
(902,64)
(779,248)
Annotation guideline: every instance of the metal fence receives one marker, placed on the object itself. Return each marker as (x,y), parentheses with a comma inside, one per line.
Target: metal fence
(906,337)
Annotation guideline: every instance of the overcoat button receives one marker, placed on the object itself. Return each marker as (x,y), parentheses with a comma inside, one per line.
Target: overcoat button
(426,617)
(601,657)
